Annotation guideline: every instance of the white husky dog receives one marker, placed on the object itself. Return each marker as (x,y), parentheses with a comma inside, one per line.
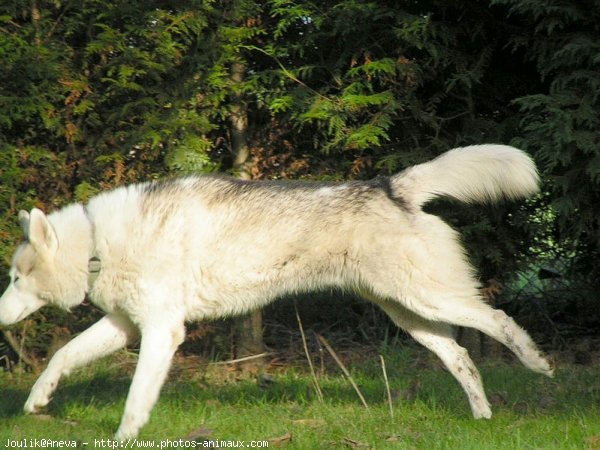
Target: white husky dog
(204,247)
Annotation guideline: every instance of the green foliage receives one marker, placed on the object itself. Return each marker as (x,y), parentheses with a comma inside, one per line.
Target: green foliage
(560,122)
(92,95)
(96,94)
(191,155)
(20,171)
(382,81)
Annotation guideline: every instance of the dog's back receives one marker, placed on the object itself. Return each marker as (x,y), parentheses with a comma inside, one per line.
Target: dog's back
(231,245)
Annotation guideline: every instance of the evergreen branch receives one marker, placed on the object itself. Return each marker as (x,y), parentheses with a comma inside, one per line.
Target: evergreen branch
(287,72)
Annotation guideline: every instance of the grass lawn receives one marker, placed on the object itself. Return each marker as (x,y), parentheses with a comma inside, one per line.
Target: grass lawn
(430,410)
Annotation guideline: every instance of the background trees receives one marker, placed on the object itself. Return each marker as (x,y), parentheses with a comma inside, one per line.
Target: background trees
(560,118)
(94,94)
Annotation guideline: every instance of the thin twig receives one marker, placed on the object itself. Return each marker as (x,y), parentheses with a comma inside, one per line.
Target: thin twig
(18,349)
(387,386)
(321,359)
(287,72)
(6,361)
(339,363)
(310,364)
(245,358)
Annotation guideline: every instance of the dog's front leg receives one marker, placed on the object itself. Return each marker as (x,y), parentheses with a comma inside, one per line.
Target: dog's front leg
(109,334)
(159,342)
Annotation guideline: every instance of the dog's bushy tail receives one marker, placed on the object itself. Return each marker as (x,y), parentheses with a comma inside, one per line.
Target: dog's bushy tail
(479,173)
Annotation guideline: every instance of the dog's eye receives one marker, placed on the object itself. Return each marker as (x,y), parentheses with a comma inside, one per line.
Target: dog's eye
(17,278)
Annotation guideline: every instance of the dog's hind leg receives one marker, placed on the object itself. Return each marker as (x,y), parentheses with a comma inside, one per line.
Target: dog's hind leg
(443,301)
(430,276)
(438,337)
(474,313)
(109,334)
(160,339)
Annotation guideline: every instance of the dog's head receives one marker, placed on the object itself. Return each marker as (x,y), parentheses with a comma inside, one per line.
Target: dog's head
(41,272)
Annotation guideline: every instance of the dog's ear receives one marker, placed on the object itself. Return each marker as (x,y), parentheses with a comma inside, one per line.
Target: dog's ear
(24,221)
(41,233)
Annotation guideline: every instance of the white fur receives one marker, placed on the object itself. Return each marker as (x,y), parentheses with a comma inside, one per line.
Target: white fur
(205,247)
(477,173)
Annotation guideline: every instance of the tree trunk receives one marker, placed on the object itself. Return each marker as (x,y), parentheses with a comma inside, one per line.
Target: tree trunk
(248,330)
(36,16)
(477,344)
(239,124)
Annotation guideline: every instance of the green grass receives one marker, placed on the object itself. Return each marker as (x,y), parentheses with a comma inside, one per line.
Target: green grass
(530,411)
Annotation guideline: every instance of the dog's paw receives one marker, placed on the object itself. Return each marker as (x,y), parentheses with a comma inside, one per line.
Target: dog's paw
(40,395)
(545,366)
(130,426)
(35,406)
(549,372)
(482,412)
(37,400)
(124,434)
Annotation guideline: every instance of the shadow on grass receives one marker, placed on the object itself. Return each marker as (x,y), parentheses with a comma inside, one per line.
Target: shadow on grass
(102,388)
(510,388)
